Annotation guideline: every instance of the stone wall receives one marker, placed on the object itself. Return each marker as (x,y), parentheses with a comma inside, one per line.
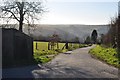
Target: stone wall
(17,48)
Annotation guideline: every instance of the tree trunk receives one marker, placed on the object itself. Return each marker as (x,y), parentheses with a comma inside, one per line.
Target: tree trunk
(21,16)
(20,25)
(21,21)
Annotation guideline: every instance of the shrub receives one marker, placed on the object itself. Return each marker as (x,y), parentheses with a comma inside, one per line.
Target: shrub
(46,52)
(64,50)
(70,48)
(41,56)
(41,59)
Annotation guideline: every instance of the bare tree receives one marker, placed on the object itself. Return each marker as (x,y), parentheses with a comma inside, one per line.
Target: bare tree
(54,39)
(21,10)
(110,39)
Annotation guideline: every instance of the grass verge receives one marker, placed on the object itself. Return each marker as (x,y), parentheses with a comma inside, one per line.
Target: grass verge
(46,55)
(108,55)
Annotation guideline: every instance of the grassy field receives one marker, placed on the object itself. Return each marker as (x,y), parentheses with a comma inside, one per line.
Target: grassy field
(43,55)
(44,45)
(108,55)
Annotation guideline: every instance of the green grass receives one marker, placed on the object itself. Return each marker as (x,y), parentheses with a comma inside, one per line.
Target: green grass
(41,59)
(109,55)
(46,52)
(41,45)
(44,45)
(40,54)
(75,46)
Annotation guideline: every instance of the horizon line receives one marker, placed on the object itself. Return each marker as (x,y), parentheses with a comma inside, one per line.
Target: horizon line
(56,24)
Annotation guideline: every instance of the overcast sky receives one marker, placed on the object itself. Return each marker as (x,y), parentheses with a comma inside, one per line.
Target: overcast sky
(79,11)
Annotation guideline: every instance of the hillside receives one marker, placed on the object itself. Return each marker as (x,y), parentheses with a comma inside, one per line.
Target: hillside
(66,32)
(69,32)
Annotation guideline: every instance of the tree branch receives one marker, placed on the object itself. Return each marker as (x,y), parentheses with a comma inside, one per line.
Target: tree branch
(12,14)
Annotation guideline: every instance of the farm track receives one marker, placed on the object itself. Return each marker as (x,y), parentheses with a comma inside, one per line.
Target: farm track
(78,64)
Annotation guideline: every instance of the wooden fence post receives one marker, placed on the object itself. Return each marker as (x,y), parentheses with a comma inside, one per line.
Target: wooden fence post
(36,46)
